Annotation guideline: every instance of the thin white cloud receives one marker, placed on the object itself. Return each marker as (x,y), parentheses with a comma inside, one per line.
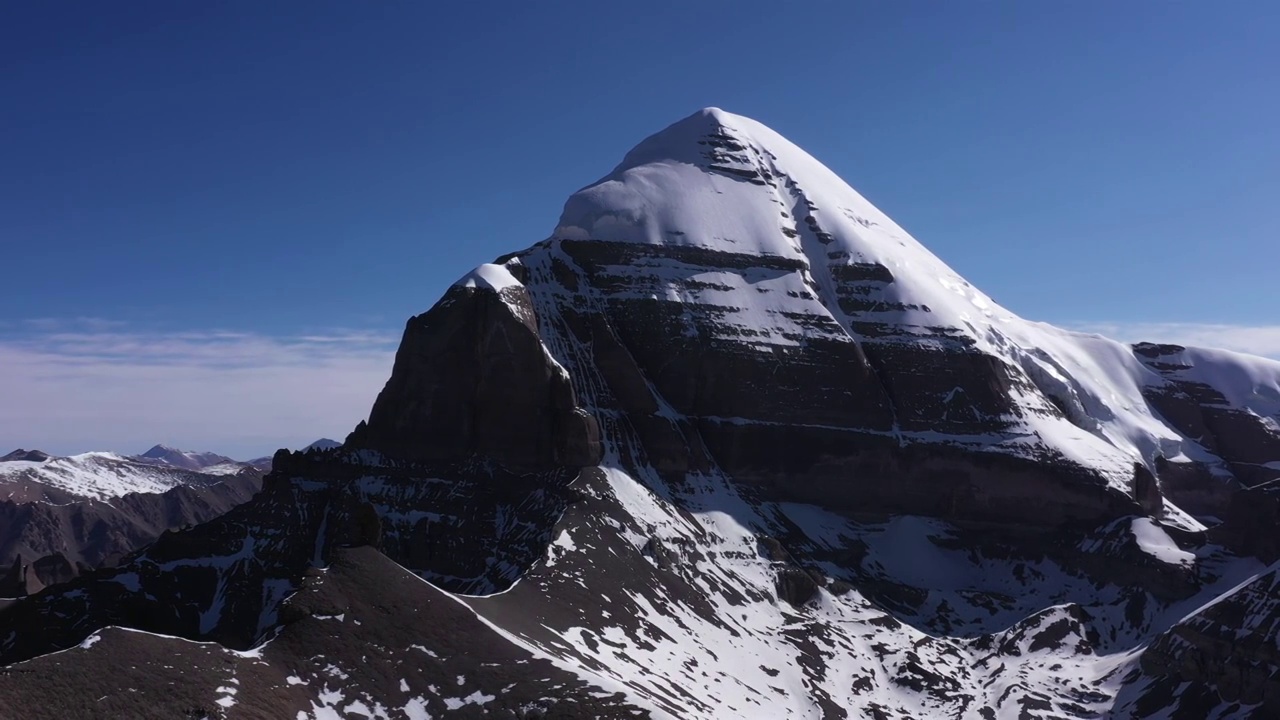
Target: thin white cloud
(92,385)
(1261,340)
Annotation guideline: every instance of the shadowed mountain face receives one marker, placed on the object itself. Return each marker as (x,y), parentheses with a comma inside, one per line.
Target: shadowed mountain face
(732,444)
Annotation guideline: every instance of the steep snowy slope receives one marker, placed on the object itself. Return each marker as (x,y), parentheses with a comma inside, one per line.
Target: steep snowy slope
(731,444)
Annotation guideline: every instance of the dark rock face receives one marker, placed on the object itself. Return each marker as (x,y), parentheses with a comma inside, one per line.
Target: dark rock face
(699,396)
(54,569)
(796,585)
(1146,491)
(469,525)
(1228,649)
(471,378)
(1194,486)
(19,581)
(1252,522)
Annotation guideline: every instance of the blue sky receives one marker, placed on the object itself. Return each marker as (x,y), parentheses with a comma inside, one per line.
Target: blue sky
(223,213)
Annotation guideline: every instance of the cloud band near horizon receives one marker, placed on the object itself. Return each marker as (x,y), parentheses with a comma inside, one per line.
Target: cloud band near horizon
(89,385)
(74,386)
(1263,340)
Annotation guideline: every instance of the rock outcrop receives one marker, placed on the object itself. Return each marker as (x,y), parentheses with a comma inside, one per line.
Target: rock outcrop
(1225,653)
(472,377)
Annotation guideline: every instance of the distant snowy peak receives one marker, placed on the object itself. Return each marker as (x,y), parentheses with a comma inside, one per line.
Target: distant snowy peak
(165,455)
(26,455)
(264,462)
(99,476)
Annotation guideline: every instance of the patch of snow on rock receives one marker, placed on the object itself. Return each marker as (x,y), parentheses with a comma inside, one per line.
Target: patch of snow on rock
(1156,542)
(490,277)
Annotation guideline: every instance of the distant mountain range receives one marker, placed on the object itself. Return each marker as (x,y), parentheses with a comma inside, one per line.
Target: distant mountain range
(61,516)
(158,455)
(165,455)
(264,463)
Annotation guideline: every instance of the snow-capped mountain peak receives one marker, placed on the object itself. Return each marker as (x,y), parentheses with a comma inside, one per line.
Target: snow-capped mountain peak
(730,443)
(717,192)
(264,462)
(25,456)
(165,455)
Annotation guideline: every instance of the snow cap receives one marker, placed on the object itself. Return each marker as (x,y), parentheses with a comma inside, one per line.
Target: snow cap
(489,277)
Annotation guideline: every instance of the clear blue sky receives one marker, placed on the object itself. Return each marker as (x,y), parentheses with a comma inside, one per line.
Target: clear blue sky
(326,169)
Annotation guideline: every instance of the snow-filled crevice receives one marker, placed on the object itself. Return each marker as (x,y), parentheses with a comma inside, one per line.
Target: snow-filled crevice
(1052,380)
(813,243)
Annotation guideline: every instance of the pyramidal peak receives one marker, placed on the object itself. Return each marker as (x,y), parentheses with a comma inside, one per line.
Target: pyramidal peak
(725,182)
(729,410)
(685,139)
(720,212)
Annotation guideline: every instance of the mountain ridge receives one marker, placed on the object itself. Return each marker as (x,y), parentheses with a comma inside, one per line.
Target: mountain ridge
(62,516)
(678,451)
(161,455)
(165,455)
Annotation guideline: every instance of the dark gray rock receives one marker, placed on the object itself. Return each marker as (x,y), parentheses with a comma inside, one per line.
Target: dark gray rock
(1252,522)
(25,455)
(471,378)
(1146,491)
(1229,648)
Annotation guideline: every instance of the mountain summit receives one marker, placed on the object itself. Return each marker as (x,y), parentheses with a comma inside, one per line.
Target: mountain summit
(187,460)
(722,257)
(729,443)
